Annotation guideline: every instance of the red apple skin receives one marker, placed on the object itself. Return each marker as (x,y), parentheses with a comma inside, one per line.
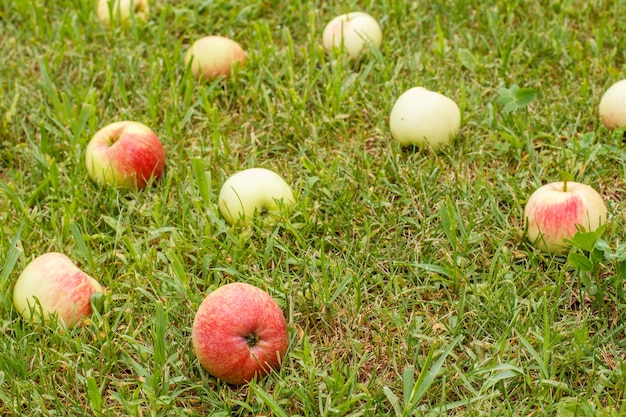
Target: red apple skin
(553,215)
(59,285)
(223,325)
(125,154)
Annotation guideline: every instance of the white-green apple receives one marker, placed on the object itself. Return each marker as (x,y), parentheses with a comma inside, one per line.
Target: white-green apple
(354,32)
(424,118)
(214,56)
(613,106)
(125,154)
(239,333)
(251,192)
(120,11)
(556,211)
(52,285)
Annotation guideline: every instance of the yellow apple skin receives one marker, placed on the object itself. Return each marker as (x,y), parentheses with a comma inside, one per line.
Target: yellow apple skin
(354,31)
(122,10)
(424,118)
(555,212)
(53,284)
(612,106)
(214,56)
(252,191)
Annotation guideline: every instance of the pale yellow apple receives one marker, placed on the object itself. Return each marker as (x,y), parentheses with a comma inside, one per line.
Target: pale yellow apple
(120,11)
(214,56)
(354,32)
(252,192)
(424,118)
(613,106)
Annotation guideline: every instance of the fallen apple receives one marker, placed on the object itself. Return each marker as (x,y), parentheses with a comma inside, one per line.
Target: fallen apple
(125,154)
(120,11)
(354,32)
(52,284)
(556,211)
(424,118)
(613,106)
(214,56)
(252,192)
(239,332)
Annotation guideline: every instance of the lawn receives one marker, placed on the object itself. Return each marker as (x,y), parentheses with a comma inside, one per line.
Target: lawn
(407,282)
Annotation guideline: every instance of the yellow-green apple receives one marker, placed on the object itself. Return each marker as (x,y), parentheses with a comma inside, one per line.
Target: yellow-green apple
(424,118)
(254,191)
(52,285)
(214,56)
(613,106)
(354,32)
(556,211)
(120,11)
(125,154)
(239,332)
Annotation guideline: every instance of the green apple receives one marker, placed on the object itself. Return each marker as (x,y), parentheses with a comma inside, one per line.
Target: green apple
(120,11)
(354,32)
(253,192)
(424,118)
(214,56)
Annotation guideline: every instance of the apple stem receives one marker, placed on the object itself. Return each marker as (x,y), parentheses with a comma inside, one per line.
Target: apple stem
(564,185)
(252,339)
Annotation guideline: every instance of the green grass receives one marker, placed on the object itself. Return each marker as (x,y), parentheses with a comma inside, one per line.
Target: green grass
(404,275)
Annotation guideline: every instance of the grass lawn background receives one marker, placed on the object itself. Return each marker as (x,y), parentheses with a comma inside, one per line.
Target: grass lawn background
(404,275)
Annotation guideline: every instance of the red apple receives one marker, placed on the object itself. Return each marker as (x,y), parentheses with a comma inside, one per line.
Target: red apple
(556,211)
(239,332)
(214,56)
(125,154)
(52,284)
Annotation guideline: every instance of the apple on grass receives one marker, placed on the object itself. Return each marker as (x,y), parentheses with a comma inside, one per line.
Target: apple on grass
(354,32)
(424,118)
(239,333)
(120,11)
(613,106)
(214,56)
(252,192)
(125,154)
(52,284)
(556,211)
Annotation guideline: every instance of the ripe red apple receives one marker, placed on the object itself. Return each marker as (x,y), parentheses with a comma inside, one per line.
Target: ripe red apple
(53,284)
(239,332)
(214,56)
(125,154)
(613,106)
(556,211)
